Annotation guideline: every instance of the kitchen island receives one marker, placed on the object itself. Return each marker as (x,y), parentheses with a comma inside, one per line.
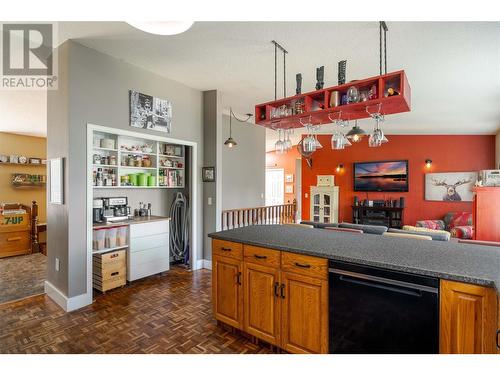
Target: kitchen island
(293,263)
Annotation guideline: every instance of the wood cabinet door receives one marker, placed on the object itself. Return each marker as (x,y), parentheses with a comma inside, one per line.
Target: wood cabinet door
(467,318)
(227,291)
(262,313)
(304,316)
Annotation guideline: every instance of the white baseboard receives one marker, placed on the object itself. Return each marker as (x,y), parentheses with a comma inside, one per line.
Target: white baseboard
(204,263)
(68,304)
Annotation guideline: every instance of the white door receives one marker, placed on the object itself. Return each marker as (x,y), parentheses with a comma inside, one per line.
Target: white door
(275,186)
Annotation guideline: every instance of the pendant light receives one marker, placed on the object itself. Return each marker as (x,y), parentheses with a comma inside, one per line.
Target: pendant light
(230,142)
(356,134)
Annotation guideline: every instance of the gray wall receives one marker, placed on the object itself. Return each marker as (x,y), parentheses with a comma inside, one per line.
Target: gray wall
(211,135)
(243,166)
(57,147)
(99,94)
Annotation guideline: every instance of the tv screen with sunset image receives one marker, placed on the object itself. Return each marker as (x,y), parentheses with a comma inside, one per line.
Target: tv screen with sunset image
(381,176)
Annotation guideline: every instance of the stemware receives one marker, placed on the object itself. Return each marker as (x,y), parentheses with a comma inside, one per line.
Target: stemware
(279,145)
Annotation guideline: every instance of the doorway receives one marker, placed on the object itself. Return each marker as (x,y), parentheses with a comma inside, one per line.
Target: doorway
(275,186)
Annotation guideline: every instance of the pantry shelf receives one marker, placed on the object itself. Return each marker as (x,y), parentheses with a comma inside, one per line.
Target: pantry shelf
(105,149)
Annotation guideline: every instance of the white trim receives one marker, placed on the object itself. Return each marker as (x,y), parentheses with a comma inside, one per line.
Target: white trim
(205,263)
(195,208)
(68,304)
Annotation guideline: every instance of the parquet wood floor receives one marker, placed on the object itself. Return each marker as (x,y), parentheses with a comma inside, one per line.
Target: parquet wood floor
(169,313)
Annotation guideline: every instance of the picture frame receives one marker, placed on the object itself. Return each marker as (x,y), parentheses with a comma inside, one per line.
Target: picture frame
(208,174)
(450,187)
(148,112)
(56,181)
(289,189)
(289,178)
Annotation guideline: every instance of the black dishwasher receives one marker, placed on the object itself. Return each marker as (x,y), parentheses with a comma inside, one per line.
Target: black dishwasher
(376,311)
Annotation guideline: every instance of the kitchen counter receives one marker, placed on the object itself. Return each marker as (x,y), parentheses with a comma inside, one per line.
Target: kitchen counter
(135,220)
(466,263)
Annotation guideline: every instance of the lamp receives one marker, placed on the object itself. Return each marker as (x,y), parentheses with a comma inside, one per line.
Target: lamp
(428,163)
(162,27)
(230,142)
(339,167)
(356,133)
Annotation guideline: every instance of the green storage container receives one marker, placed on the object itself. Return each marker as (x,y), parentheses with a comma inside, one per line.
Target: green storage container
(151,180)
(142,179)
(133,179)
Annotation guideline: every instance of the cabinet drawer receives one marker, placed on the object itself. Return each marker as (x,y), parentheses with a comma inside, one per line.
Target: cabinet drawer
(103,284)
(149,255)
(149,229)
(304,265)
(261,255)
(138,271)
(112,259)
(227,249)
(143,243)
(14,243)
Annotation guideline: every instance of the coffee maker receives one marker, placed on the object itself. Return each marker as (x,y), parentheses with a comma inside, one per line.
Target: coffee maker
(98,210)
(116,209)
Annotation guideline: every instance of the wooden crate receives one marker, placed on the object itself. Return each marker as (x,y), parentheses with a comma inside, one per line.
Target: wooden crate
(109,270)
(15,235)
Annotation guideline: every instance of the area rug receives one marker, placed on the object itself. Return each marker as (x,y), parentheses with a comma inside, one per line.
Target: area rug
(22,276)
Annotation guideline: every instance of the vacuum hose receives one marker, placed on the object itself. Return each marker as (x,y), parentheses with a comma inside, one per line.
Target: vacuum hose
(179,229)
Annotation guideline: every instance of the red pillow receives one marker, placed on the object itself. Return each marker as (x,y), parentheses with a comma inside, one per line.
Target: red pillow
(460,219)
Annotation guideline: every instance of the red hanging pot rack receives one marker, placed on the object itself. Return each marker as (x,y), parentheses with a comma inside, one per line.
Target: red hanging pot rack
(317,108)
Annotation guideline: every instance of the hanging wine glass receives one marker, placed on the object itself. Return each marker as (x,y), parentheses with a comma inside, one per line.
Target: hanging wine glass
(309,143)
(317,142)
(339,140)
(287,142)
(279,145)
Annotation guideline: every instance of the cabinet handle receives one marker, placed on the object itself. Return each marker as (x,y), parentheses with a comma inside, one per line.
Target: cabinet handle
(238,278)
(260,256)
(13,239)
(302,265)
(498,339)
(225,248)
(276,289)
(115,273)
(282,291)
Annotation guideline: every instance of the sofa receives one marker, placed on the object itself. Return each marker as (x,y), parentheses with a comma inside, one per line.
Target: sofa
(435,235)
(459,224)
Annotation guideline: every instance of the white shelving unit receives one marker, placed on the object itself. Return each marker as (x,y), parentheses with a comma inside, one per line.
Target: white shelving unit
(164,153)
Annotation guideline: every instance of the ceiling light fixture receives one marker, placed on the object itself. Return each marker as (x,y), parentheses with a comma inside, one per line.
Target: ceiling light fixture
(162,27)
(428,163)
(230,142)
(356,134)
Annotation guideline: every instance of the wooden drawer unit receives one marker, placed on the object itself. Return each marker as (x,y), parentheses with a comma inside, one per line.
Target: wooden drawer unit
(304,265)
(14,243)
(227,249)
(109,270)
(261,255)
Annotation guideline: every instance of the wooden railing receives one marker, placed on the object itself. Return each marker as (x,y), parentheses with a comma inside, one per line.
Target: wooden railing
(265,215)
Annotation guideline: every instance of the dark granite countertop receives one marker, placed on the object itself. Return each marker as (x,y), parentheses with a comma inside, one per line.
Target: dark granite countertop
(467,263)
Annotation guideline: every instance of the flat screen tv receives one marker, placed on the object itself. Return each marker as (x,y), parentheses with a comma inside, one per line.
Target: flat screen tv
(381,176)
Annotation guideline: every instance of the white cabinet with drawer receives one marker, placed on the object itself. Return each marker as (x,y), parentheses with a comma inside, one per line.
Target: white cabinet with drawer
(149,252)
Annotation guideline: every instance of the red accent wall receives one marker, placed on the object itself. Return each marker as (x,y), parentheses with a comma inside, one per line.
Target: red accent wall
(449,153)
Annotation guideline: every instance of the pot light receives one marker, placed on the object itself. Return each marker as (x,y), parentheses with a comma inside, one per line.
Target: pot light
(162,27)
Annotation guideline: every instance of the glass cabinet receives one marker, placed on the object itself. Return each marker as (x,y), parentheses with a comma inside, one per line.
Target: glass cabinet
(324,204)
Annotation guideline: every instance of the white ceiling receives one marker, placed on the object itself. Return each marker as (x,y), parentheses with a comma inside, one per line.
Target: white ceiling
(453,68)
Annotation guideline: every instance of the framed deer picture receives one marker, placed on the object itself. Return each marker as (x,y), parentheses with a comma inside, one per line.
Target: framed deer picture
(450,187)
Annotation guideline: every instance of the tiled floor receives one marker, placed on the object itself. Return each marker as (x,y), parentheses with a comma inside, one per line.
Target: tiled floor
(22,276)
(161,314)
